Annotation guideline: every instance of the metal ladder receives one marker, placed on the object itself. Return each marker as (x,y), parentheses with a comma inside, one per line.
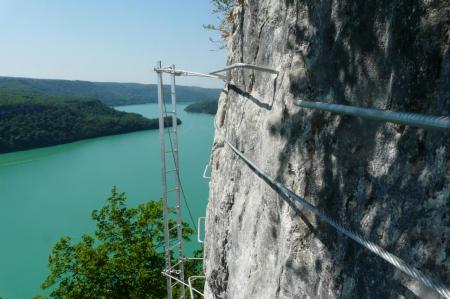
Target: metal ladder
(173,272)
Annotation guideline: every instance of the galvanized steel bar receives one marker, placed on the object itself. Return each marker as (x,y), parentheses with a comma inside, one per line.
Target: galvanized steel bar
(205,176)
(246,66)
(410,119)
(173,227)
(185,284)
(215,74)
(189,73)
(177,170)
(199,222)
(389,257)
(190,280)
(194,258)
(163,177)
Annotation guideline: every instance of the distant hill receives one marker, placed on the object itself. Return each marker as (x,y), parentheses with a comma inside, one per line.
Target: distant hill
(203,107)
(111,94)
(30,121)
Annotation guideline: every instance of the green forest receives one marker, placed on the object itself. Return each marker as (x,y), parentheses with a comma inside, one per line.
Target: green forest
(30,120)
(208,107)
(111,94)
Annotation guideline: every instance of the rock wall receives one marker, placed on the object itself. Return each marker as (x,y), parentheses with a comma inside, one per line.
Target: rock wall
(391,183)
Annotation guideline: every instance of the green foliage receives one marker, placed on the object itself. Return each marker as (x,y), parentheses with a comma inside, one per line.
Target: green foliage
(224,11)
(202,107)
(124,258)
(29,120)
(112,94)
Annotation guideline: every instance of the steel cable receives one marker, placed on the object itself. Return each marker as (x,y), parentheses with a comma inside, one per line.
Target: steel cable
(387,256)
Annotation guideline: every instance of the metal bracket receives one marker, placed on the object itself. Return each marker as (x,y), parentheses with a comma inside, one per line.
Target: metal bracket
(205,176)
(190,280)
(199,229)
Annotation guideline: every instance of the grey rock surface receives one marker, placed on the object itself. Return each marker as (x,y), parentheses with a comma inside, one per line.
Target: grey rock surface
(389,182)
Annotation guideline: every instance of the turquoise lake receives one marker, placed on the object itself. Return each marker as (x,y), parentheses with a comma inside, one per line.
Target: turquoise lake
(50,192)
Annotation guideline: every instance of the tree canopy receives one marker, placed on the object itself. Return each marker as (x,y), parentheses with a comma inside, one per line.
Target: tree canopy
(203,107)
(29,120)
(123,259)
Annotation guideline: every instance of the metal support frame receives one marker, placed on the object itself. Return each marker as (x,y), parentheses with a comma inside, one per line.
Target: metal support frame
(178,267)
(173,140)
(177,171)
(205,176)
(215,74)
(241,65)
(199,222)
(170,70)
(164,178)
(191,288)
(182,283)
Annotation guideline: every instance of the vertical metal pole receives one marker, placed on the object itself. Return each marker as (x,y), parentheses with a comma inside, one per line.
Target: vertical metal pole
(177,167)
(163,176)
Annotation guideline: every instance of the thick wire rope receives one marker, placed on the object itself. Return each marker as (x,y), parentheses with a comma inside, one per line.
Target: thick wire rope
(398,263)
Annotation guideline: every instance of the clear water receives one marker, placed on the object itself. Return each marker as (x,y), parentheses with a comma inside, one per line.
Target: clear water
(50,192)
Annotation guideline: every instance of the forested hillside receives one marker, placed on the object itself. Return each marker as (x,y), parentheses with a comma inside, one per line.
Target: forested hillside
(203,107)
(111,94)
(28,120)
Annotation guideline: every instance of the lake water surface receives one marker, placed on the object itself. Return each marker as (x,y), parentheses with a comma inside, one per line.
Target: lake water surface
(50,192)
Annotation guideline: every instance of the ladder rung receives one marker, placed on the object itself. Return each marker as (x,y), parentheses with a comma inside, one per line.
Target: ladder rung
(174,245)
(175,284)
(174,266)
(172,190)
(172,170)
(172,228)
(171,151)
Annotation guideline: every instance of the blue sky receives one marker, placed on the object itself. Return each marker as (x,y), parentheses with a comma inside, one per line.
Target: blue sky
(106,40)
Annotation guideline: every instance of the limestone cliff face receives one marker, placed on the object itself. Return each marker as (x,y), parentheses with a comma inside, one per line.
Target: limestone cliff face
(389,182)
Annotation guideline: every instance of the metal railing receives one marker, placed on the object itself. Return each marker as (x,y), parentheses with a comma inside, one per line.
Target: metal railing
(215,74)
(191,289)
(241,65)
(172,71)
